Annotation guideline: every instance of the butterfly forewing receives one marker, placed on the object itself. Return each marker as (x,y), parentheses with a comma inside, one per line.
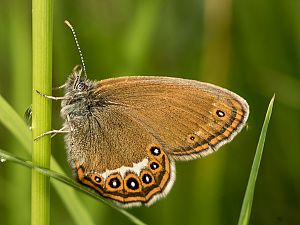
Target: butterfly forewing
(191,118)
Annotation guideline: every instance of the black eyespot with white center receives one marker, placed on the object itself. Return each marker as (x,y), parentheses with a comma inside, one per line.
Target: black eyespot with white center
(97,179)
(220,113)
(192,138)
(132,183)
(114,183)
(155,151)
(154,165)
(146,178)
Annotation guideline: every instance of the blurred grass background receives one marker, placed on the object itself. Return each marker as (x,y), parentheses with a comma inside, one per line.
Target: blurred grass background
(251,47)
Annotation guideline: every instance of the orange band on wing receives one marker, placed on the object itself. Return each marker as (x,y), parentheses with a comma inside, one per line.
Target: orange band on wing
(124,195)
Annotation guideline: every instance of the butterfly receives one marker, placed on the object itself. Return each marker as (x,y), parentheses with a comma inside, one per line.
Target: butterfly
(123,135)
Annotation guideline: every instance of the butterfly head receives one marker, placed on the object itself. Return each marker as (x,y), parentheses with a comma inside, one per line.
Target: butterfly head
(78,93)
(77,82)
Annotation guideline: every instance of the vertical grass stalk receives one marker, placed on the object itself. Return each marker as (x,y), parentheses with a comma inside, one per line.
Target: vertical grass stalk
(42,19)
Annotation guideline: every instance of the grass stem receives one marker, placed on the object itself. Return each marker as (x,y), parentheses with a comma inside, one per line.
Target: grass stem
(42,19)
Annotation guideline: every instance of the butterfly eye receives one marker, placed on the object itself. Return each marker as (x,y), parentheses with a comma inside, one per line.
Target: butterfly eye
(81,86)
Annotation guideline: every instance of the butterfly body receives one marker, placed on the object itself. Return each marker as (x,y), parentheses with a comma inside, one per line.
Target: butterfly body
(125,133)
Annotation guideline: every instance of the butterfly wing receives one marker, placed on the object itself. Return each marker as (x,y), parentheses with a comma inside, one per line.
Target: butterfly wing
(190,118)
(115,155)
(124,147)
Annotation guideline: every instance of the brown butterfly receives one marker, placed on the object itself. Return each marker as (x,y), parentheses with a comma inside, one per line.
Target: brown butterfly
(123,134)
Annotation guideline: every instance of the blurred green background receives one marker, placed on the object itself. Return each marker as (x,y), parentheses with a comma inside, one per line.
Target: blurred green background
(251,47)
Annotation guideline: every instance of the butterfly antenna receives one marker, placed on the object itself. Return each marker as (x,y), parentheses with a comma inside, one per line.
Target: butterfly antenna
(78,46)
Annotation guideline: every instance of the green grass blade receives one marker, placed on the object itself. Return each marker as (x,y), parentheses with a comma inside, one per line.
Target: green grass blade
(5,156)
(248,198)
(14,123)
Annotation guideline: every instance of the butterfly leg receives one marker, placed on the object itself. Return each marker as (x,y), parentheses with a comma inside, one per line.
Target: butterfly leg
(53,133)
(50,97)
